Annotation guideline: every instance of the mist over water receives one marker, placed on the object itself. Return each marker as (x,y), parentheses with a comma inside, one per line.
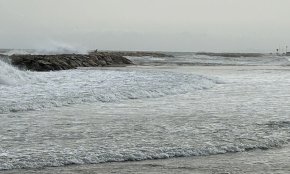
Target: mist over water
(50,47)
(57,47)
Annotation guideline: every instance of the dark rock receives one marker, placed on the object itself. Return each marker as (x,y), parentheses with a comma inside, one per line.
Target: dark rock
(103,63)
(67,61)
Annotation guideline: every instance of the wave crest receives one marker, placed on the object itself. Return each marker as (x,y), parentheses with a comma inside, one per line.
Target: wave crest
(81,156)
(88,86)
(10,75)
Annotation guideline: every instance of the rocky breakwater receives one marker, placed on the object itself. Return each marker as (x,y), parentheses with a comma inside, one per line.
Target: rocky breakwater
(67,61)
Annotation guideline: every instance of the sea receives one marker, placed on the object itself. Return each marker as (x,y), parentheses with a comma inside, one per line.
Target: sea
(189,113)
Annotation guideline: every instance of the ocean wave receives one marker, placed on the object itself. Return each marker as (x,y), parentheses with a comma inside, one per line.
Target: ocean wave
(23,91)
(10,75)
(81,155)
(192,59)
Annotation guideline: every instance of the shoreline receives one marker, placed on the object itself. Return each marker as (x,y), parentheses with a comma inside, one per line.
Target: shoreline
(250,162)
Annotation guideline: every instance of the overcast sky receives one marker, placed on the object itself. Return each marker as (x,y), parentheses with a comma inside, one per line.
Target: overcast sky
(167,25)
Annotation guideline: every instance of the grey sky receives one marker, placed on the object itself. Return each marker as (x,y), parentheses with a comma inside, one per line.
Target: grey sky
(172,25)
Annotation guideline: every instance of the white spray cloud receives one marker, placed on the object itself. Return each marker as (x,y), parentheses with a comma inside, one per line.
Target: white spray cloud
(50,47)
(59,47)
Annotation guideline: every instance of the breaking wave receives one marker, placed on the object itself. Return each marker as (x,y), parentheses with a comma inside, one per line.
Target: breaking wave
(53,89)
(10,75)
(68,156)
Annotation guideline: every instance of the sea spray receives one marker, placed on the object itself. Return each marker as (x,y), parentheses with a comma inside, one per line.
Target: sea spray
(59,47)
(10,75)
(48,48)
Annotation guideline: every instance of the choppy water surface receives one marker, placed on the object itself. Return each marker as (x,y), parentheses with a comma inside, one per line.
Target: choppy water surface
(23,91)
(150,113)
(192,59)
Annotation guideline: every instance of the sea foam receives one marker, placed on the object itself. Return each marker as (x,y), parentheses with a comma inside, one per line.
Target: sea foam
(40,90)
(10,75)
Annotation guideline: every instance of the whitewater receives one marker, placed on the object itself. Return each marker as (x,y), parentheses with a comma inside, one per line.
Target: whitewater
(54,89)
(232,108)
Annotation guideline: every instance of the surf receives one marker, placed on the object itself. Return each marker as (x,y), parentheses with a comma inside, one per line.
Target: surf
(10,75)
(44,90)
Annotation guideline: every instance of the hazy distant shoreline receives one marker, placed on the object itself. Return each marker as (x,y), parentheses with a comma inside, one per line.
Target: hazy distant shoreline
(231,54)
(136,53)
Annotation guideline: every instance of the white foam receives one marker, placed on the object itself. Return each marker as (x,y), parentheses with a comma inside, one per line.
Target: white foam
(216,121)
(80,155)
(10,75)
(86,86)
(193,59)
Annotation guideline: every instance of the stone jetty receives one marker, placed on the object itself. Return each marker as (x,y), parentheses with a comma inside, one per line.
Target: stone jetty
(67,61)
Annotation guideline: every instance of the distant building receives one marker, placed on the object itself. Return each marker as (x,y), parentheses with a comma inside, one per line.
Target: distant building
(288,54)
